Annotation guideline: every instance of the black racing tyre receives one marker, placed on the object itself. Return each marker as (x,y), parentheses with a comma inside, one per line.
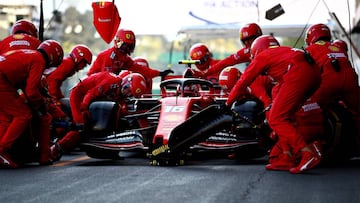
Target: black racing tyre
(340,132)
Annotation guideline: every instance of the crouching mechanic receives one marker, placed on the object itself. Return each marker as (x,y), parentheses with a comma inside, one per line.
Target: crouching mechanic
(296,80)
(24,35)
(98,86)
(260,87)
(24,74)
(339,79)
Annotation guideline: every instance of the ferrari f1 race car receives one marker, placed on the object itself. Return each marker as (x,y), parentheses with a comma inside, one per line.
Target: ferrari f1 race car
(188,117)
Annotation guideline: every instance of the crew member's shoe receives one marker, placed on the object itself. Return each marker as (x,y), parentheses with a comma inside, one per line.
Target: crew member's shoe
(6,162)
(56,152)
(316,146)
(308,159)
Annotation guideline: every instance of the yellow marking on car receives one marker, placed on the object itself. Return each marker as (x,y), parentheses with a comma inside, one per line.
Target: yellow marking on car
(160,150)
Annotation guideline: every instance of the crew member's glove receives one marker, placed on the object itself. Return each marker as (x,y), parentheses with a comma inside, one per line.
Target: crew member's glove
(226,109)
(166,72)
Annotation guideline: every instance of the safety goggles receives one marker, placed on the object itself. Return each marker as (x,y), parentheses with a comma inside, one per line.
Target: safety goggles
(125,47)
(125,89)
(118,43)
(204,59)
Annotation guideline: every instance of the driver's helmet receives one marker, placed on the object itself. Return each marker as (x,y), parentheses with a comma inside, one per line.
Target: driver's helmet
(191,90)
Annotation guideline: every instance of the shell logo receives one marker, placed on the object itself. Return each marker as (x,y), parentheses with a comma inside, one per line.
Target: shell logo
(333,48)
(321,42)
(18,36)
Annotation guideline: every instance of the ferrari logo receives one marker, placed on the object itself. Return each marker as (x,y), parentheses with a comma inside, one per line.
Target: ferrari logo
(138,90)
(128,36)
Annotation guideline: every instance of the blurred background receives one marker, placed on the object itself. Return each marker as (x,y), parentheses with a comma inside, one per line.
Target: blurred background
(165,29)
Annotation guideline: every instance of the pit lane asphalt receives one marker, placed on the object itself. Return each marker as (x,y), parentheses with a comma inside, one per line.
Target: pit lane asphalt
(78,178)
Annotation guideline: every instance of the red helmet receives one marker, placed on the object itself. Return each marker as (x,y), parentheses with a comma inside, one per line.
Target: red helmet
(261,43)
(317,32)
(125,41)
(141,61)
(124,73)
(199,51)
(341,44)
(53,52)
(228,77)
(81,53)
(133,84)
(249,32)
(25,26)
(191,90)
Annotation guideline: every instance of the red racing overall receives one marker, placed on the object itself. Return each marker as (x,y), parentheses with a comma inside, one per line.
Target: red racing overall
(296,80)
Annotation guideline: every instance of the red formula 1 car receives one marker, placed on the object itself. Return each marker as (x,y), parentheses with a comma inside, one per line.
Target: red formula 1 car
(188,118)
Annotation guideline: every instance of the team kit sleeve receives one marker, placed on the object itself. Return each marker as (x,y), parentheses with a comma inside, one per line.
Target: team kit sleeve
(241,56)
(33,84)
(147,72)
(251,72)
